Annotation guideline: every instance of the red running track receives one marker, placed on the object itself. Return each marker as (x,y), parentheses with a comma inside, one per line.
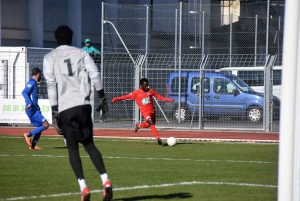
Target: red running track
(211,135)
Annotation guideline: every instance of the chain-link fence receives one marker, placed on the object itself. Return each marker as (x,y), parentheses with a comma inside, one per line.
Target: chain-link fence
(184,50)
(190,79)
(181,77)
(12,71)
(185,28)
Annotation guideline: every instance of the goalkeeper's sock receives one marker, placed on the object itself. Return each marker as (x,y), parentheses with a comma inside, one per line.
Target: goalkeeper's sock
(82,184)
(104,178)
(37,130)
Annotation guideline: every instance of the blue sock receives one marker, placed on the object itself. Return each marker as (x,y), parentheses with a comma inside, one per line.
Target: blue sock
(37,130)
(35,139)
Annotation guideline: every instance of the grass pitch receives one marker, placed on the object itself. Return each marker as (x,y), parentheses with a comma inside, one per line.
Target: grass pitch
(141,170)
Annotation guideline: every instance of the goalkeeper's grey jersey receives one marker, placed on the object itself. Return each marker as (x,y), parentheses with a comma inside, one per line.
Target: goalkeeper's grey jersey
(67,70)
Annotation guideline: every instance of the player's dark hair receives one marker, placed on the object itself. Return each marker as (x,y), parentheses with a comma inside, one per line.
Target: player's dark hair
(35,71)
(143,80)
(63,35)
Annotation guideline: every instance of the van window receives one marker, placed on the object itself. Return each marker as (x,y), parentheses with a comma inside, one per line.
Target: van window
(196,84)
(175,84)
(223,86)
(256,78)
(252,78)
(277,77)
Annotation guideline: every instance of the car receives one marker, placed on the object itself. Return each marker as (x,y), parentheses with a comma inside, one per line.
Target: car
(254,77)
(223,94)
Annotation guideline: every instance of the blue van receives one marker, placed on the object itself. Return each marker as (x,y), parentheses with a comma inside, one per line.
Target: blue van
(224,95)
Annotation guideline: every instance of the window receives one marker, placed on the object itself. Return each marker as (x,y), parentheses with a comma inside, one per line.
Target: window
(196,84)
(175,84)
(256,78)
(277,77)
(223,86)
(252,78)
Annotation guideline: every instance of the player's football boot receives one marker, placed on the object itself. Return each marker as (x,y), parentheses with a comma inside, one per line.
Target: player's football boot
(136,127)
(34,147)
(159,141)
(85,194)
(107,191)
(27,139)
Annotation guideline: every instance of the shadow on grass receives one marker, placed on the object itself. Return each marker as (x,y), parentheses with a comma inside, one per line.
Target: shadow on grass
(178,143)
(64,147)
(162,197)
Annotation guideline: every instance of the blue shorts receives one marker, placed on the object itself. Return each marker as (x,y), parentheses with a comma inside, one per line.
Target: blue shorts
(36,118)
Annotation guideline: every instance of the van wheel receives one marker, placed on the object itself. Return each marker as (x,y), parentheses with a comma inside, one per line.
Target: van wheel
(254,114)
(184,113)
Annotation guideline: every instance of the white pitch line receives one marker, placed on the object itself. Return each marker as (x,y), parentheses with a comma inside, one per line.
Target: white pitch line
(138,158)
(147,186)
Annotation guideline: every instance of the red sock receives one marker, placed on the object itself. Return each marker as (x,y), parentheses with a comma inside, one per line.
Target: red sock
(144,125)
(154,131)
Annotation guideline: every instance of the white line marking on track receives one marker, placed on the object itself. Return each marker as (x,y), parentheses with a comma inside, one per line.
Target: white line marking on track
(147,186)
(137,158)
(217,140)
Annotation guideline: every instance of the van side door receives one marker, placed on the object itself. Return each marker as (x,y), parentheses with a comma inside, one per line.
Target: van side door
(224,101)
(194,96)
(173,87)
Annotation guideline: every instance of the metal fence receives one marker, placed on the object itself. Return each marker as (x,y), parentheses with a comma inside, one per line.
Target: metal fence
(185,28)
(121,74)
(175,42)
(169,75)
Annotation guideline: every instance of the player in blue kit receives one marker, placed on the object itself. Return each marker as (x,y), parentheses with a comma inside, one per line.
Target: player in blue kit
(32,109)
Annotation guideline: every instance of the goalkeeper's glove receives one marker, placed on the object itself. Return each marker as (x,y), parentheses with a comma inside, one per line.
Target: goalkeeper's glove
(102,105)
(56,120)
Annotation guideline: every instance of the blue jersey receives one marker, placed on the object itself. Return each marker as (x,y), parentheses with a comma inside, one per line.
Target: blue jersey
(30,93)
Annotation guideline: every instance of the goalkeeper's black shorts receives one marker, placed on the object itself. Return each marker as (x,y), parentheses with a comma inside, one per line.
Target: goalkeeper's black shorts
(77,124)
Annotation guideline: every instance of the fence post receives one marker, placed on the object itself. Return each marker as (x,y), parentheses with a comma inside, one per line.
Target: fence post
(255,40)
(268,93)
(203,32)
(14,75)
(5,78)
(179,63)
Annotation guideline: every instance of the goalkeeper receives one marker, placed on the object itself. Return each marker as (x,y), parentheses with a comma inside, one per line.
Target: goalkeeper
(67,70)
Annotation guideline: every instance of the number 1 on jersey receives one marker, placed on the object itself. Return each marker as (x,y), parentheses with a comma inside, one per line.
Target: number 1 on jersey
(68,61)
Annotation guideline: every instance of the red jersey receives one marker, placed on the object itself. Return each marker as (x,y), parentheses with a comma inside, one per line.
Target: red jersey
(143,99)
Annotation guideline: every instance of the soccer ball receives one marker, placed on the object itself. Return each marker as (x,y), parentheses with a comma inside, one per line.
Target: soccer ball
(171,141)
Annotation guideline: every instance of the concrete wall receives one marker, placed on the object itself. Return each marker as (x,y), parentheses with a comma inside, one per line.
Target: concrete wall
(32,23)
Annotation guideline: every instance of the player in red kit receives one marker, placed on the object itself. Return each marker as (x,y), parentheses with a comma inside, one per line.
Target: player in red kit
(144,99)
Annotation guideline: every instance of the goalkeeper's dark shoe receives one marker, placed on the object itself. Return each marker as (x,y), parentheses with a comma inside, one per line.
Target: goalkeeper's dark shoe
(107,191)
(136,127)
(159,141)
(85,194)
(27,139)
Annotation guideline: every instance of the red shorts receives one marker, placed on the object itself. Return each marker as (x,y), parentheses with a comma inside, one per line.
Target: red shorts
(148,115)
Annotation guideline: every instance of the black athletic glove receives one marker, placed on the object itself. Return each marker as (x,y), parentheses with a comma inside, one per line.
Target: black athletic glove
(103,107)
(55,120)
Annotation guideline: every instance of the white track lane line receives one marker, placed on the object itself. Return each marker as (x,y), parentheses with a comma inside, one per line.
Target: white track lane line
(179,139)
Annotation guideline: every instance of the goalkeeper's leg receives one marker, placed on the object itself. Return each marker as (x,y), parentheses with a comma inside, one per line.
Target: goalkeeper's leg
(95,156)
